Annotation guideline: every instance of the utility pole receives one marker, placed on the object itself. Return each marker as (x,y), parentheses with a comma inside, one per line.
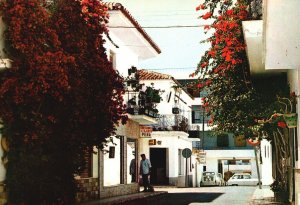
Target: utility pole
(257,167)
(203,113)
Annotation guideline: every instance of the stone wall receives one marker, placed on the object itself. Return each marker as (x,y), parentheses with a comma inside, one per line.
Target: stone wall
(118,190)
(88,189)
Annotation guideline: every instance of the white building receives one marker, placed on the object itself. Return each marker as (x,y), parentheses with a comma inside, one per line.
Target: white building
(170,135)
(273,46)
(108,174)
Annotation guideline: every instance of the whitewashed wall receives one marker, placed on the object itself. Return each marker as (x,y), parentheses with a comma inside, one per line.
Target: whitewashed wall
(266,166)
(282,34)
(112,166)
(172,141)
(212,157)
(164,106)
(125,58)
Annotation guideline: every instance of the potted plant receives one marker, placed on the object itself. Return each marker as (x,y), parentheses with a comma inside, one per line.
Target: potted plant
(152,95)
(290,119)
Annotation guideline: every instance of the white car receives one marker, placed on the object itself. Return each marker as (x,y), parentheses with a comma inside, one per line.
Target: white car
(243,179)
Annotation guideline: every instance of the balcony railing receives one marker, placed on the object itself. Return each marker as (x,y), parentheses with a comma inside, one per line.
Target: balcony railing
(172,123)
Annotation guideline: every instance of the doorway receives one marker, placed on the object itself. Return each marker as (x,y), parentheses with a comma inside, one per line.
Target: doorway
(158,158)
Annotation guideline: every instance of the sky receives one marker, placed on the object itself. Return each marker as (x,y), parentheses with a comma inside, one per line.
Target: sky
(181,48)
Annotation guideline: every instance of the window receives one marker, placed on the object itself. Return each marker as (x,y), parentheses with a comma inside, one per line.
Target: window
(222,140)
(199,115)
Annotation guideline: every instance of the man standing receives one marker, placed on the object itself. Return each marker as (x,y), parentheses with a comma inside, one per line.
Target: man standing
(145,169)
(132,170)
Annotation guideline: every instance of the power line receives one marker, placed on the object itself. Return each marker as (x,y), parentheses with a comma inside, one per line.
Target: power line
(178,26)
(171,68)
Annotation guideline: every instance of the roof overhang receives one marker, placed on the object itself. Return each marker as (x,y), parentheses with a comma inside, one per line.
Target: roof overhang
(124,27)
(254,40)
(142,119)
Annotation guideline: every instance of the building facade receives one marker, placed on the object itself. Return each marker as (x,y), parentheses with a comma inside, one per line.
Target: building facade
(272,48)
(170,134)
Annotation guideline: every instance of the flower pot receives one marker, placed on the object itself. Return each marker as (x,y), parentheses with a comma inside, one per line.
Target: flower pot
(290,120)
(175,110)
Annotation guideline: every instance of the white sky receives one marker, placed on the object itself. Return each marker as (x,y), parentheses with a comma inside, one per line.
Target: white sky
(181,50)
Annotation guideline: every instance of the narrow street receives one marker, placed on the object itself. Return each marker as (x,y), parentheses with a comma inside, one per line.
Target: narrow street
(236,195)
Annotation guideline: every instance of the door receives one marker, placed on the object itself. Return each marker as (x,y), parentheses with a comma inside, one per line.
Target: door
(158,158)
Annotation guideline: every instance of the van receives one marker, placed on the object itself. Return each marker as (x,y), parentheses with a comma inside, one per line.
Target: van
(212,179)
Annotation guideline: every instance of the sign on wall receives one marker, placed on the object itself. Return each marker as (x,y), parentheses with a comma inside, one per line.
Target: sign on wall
(145,131)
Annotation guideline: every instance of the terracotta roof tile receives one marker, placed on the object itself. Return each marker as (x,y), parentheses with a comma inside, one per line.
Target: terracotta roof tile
(120,7)
(151,75)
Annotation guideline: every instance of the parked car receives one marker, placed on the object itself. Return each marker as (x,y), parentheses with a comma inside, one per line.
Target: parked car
(242,179)
(212,179)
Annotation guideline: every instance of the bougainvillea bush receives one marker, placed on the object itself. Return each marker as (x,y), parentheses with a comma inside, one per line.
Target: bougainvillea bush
(237,102)
(234,101)
(60,98)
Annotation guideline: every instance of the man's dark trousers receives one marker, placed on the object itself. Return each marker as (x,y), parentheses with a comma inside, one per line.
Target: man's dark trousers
(146,183)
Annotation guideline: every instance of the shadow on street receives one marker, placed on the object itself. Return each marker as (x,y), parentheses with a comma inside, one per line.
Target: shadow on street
(176,199)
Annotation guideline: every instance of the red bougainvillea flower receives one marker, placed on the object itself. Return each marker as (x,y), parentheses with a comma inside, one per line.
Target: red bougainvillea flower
(207,15)
(200,7)
(229,12)
(203,65)
(208,82)
(206,27)
(192,75)
(281,124)
(200,85)
(293,94)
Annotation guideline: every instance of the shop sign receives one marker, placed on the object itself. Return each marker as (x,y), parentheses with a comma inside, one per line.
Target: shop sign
(145,131)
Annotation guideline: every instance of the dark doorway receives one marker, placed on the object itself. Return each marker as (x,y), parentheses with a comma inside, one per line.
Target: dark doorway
(220,167)
(158,158)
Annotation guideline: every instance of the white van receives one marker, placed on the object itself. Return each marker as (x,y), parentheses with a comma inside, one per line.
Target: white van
(212,179)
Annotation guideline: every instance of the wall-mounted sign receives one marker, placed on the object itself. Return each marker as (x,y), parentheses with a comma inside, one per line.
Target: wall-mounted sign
(152,142)
(145,131)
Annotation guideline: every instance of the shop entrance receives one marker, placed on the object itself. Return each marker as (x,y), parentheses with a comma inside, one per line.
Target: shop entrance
(158,158)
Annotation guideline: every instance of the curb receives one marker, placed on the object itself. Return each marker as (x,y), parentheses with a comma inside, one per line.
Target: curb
(139,197)
(125,198)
